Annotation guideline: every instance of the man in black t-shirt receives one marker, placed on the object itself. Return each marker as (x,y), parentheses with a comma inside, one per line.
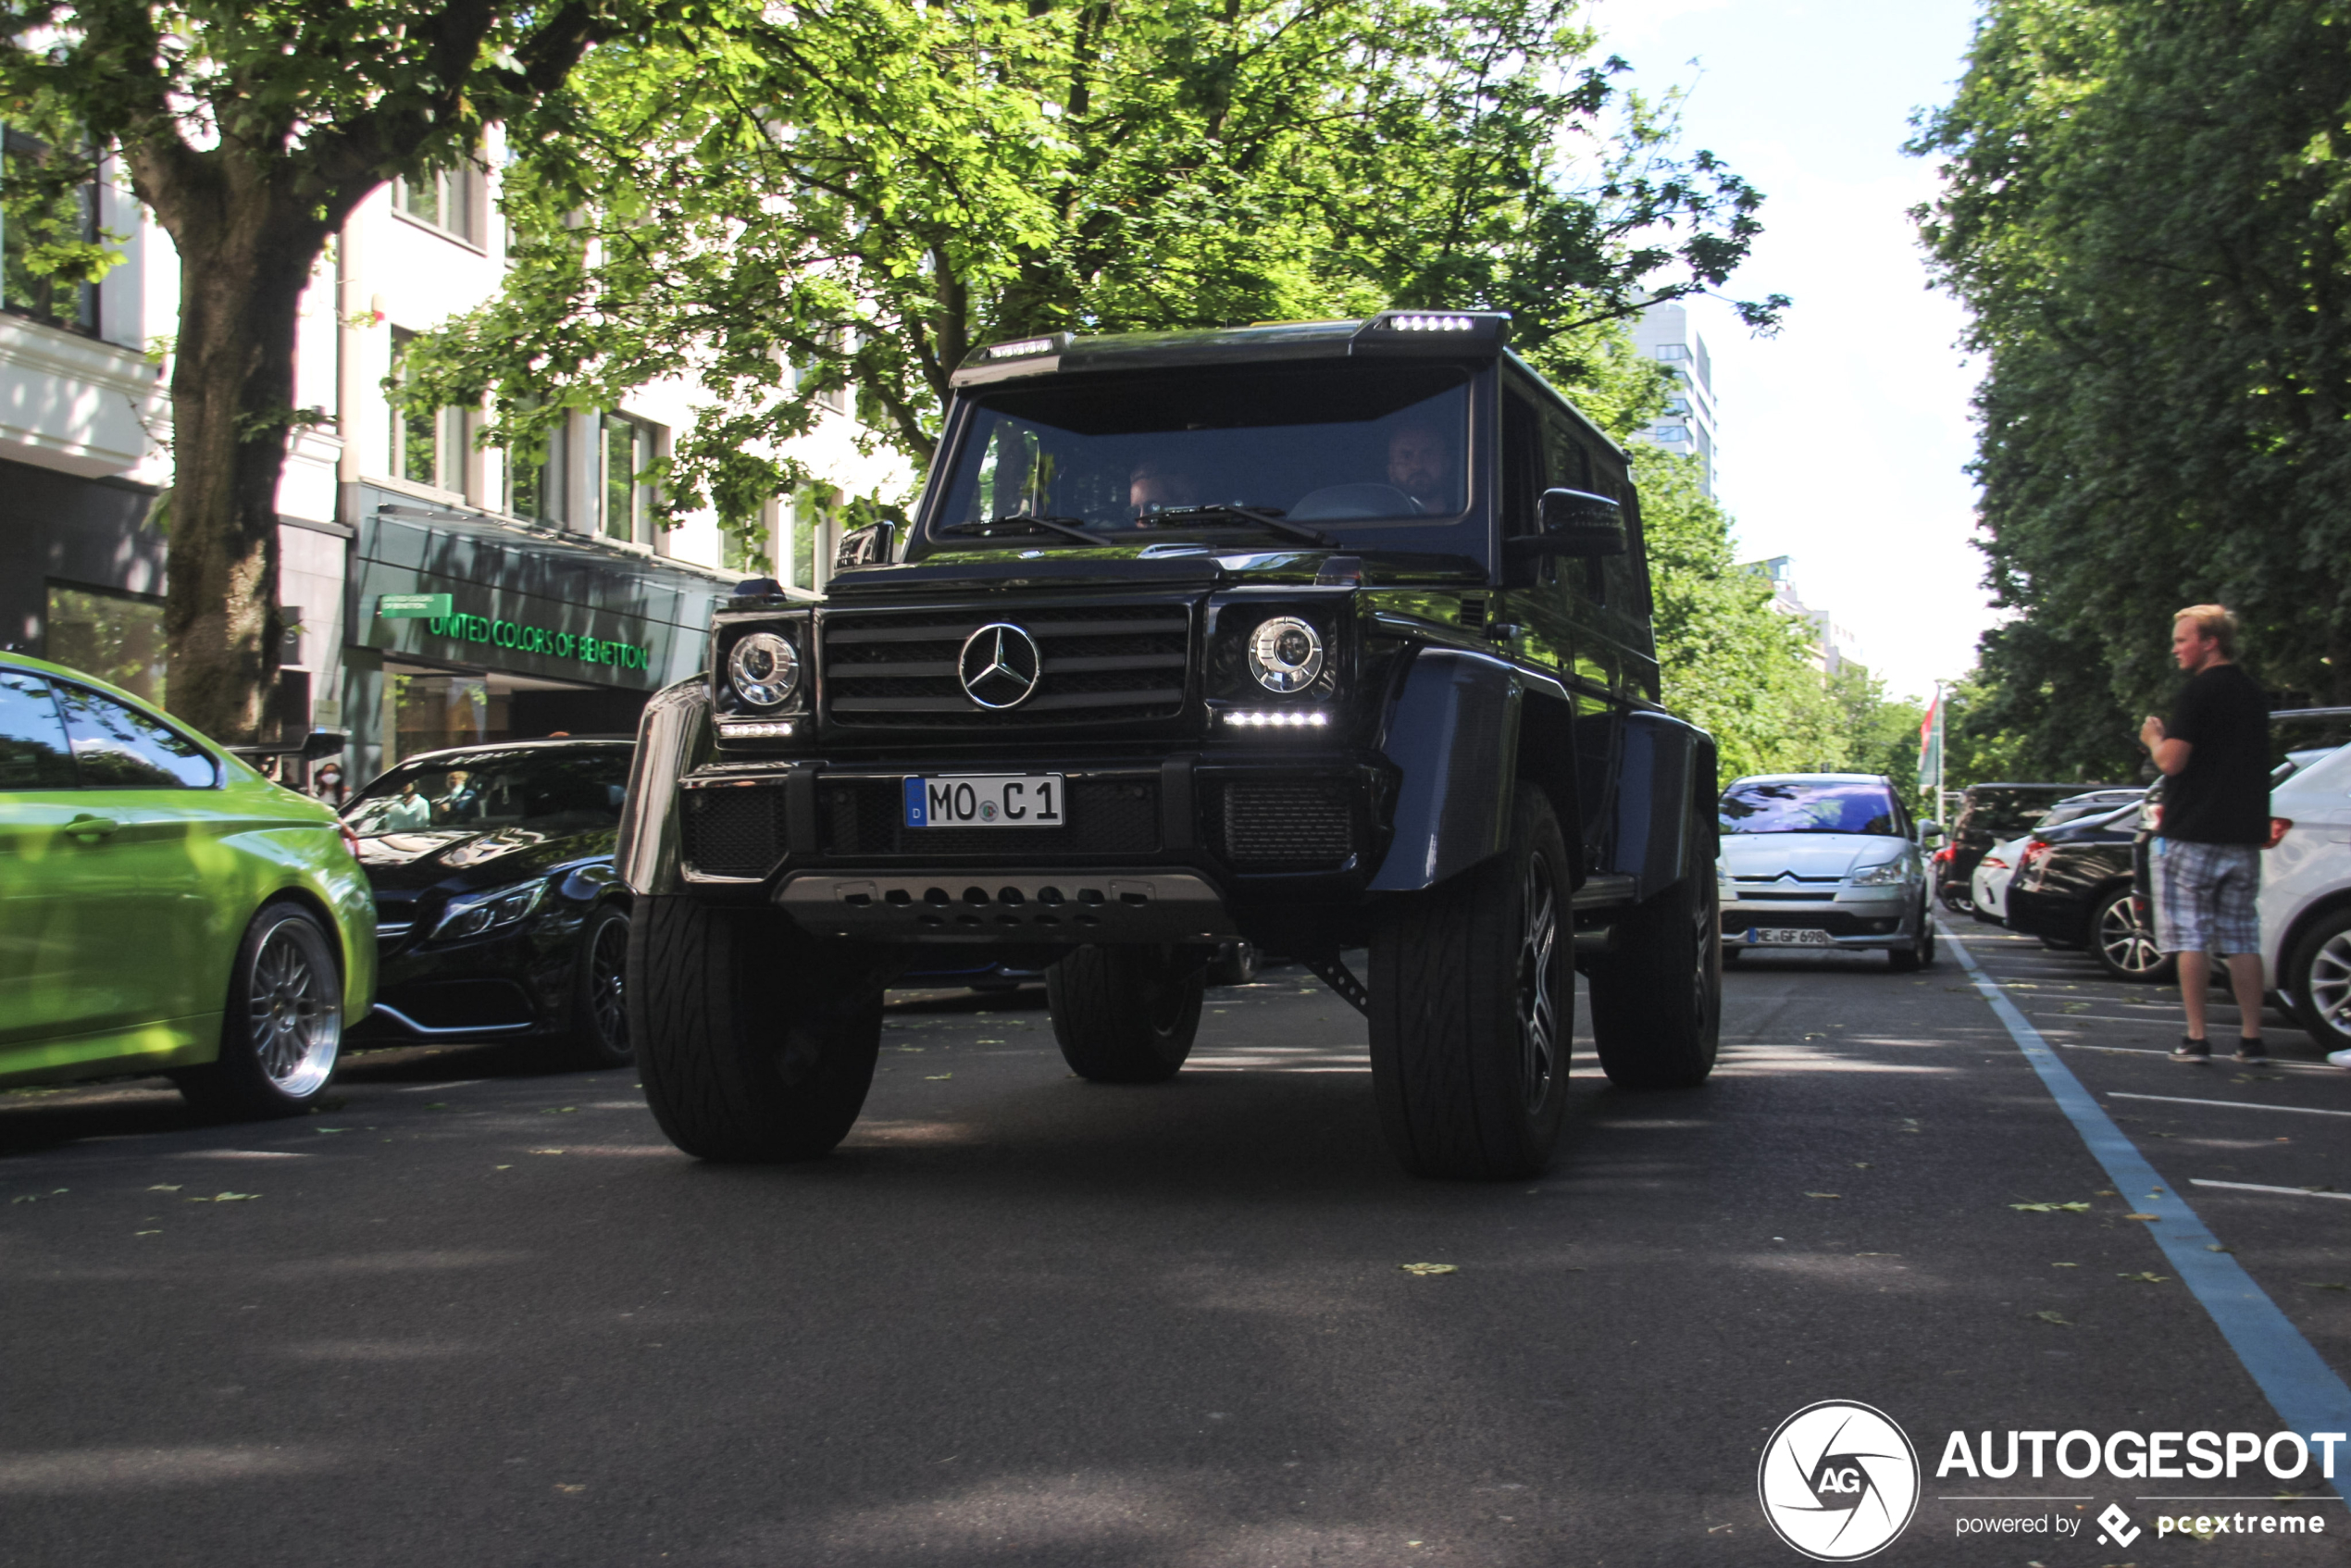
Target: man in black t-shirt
(2216,819)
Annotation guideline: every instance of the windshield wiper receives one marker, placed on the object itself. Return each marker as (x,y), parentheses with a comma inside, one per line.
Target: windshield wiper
(1270,521)
(1029,523)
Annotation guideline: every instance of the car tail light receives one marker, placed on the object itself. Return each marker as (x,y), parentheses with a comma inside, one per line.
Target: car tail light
(2279,828)
(2030,861)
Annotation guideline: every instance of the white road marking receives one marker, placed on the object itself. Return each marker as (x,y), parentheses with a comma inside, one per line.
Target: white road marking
(2230,1105)
(2257,1186)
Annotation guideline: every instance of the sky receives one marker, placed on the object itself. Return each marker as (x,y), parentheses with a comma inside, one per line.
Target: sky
(1844,438)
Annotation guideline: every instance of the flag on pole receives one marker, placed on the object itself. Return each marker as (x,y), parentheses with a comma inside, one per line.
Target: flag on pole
(1931,747)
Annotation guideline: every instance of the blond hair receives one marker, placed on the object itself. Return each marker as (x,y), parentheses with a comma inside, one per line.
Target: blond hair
(2216,621)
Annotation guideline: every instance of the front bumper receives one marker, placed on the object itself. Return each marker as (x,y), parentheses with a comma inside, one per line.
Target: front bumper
(1195,847)
(1857,918)
(510,984)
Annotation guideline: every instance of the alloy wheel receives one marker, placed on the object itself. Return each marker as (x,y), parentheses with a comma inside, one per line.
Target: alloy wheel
(2126,940)
(294,1012)
(607,983)
(2329,985)
(1537,954)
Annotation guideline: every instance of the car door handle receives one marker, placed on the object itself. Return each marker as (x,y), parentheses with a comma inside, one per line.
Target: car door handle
(93,828)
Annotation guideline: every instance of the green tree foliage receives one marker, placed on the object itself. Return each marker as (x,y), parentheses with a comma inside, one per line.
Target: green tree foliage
(2145,208)
(251,131)
(858,198)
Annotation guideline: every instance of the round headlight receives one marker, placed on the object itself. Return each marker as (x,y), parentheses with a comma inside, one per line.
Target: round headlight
(765,670)
(1285,654)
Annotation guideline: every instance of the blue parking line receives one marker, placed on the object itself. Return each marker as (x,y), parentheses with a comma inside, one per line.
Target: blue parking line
(2299,1384)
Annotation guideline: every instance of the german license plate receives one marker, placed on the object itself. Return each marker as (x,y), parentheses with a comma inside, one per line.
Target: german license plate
(971,800)
(1766,937)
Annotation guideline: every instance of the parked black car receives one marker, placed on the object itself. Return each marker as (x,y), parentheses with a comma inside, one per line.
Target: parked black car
(1989,813)
(498,914)
(2073,888)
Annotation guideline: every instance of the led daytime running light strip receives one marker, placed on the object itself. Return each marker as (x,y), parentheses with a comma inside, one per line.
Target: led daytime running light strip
(1278,718)
(765,731)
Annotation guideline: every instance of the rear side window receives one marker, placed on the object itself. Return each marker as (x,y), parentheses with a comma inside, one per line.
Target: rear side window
(116,746)
(34,754)
(1799,806)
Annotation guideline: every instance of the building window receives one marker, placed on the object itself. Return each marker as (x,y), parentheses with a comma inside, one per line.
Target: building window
(117,637)
(626,448)
(21,289)
(1673,350)
(535,490)
(428,445)
(1672,433)
(1677,406)
(449,199)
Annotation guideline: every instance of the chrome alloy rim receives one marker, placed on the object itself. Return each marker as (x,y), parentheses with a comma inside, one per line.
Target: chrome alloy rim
(2330,983)
(2126,940)
(295,1012)
(1537,954)
(607,982)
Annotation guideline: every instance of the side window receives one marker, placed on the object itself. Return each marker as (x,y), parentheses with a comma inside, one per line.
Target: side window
(118,747)
(1568,465)
(33,751)
(1522,464)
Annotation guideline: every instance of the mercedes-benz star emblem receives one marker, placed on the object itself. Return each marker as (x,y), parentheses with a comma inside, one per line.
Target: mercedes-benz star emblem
(999,666)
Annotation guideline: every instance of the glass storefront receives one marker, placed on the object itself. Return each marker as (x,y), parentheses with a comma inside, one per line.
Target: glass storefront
(429,709)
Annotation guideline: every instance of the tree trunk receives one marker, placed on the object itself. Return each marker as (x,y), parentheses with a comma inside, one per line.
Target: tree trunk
(244,260)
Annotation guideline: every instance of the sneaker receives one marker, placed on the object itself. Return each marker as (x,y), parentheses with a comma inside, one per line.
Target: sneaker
(2192,1050)
(2252,1049)
(2338,1058)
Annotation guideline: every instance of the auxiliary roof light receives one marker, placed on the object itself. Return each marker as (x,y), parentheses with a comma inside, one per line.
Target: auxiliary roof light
(1421,322)
(1278,718)
(1018,349)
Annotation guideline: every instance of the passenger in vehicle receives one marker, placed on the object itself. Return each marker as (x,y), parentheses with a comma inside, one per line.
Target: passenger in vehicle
(1158,485)
(463,803)
(408,813)
(1420,463)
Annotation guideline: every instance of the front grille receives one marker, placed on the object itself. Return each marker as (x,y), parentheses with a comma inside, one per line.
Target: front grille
(1289,825)
(737,831)
(1105,816)
(1102,663)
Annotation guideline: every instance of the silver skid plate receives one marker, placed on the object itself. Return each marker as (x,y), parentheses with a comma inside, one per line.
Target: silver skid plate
(1009,906)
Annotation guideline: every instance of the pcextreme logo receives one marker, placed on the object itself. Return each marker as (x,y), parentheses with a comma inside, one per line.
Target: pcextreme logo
(1839,1481)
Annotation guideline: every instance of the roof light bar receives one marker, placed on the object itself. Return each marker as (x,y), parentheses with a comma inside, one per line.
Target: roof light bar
(1020,349)
(1426,323)
(1278,718)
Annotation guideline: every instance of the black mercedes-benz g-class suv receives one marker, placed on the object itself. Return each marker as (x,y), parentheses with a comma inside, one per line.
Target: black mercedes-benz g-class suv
(1322,635)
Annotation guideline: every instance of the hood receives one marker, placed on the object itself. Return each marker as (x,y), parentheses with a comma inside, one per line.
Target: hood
(459,860)
(1161,564)
(1814,856)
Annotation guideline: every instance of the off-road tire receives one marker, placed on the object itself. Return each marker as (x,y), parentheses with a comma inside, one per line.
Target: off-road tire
(1920,952)
(755,1041)
(599,1033)
(2123,942)
(281,1029)
(1125,1014)
(1473,1011)
(1656,995)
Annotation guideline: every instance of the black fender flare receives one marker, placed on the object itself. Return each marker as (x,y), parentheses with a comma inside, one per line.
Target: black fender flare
(674,738)
(1668,773)
(1454,732)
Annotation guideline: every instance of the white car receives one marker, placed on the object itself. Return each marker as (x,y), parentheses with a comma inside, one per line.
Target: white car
(1988,887)
(2306,898)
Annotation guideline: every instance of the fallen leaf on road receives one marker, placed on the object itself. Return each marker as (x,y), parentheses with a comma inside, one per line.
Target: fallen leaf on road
(556,1110)
(2105,1193)
(2051,1208)
(504,1167)
(2325,1285)
(2075,1007)
(227,1198)
(545,1150)
(1860,1164)
(2065,1265)
(988,1042)
(2215,1247)
(1824,1195)
(2146,1279)
(1430,1268)
(936,1077)
(1877,1254)
(146,1233)
(2142,1216)
(165,1189)
(2057,1318)
(571,1485)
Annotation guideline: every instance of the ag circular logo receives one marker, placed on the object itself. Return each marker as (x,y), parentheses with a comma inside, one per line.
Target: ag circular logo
(999,666)
(1839,1481)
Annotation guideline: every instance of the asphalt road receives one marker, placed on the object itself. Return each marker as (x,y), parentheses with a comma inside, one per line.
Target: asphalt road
(475,1314)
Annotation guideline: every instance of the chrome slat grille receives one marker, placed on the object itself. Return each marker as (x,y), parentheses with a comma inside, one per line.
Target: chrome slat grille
(1101,664)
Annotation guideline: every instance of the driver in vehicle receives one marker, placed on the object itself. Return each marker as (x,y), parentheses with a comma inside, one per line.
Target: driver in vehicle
(1420,463)
(1157,485)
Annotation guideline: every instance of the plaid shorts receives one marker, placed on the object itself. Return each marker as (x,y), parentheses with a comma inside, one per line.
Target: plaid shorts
(2205,897)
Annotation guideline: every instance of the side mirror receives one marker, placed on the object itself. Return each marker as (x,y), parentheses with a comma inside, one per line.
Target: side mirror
(320,744)
(872,545)
(1575,522)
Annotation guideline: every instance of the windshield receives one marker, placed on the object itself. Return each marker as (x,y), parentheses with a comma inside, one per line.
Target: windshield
(1789,806)
(550,792)
(1350,442)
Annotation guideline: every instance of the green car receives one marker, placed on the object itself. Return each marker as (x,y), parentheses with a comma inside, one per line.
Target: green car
(163,908)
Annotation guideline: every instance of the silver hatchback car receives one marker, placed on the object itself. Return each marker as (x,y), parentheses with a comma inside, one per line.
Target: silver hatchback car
(1821,862)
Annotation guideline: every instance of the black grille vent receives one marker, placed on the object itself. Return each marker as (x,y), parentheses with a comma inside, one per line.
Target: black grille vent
(1102,663)
(1107,818)
(1295,824)
(737,831)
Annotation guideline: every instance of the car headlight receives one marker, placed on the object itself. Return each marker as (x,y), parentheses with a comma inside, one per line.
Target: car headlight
(477,915)
(1885,875)
(765,670)
(1285,655)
